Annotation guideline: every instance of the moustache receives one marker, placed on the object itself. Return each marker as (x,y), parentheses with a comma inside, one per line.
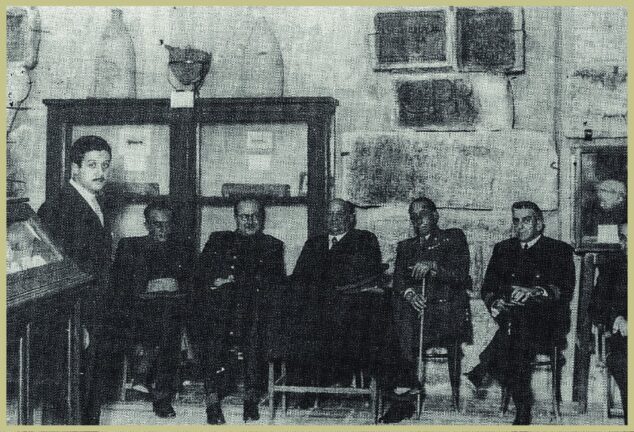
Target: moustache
(100,179)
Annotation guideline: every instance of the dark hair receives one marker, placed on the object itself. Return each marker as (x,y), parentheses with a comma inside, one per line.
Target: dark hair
(530,205)
(261,211)
(425,202)
(87,143)
(157,205)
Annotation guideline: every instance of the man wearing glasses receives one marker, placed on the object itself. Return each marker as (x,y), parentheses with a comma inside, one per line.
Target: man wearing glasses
(239,274)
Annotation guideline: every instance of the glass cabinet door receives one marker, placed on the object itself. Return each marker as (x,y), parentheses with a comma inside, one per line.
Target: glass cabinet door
(268,160)
(140,170)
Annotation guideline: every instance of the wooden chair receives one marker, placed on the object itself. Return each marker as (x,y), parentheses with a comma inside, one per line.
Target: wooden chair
(454,375)
(278,385)
(601,349)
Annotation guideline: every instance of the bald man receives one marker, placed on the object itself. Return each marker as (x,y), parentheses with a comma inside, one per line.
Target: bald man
(239,272)
(609,207)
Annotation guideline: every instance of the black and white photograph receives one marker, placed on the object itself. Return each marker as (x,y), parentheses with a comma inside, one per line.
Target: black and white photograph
(316,215)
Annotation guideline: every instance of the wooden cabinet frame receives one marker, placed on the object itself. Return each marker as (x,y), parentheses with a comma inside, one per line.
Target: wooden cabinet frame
(316,112)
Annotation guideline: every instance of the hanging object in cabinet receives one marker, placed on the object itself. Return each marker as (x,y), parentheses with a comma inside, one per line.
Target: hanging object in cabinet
(115,62)
(262,63)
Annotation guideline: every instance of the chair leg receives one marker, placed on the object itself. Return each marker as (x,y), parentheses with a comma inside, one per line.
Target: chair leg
(419,404)
(373,399)
(124,379)
(271,391)
(608,393)
(555,385)
(506,399)
(283,372)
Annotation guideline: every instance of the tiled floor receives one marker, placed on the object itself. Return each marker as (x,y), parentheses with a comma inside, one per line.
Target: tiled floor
(350,411)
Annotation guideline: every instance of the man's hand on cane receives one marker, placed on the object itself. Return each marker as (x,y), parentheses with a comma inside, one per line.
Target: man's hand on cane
(416,300)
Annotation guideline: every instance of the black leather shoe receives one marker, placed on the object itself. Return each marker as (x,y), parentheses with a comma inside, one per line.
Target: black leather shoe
(523,416)
(397,412)
(480,379)
(250,411)
(214,414)
(163,409)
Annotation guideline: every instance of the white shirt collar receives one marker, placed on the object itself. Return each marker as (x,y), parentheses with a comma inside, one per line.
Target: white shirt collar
(90,198)
(532,242)
(338,237)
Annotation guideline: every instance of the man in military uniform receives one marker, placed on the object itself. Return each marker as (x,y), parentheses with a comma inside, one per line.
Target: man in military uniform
(440,259)
(527,288)
(150,278)
(240,274)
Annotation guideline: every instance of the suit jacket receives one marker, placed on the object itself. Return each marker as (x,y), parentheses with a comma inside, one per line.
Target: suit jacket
(76,227)
(609,297)
(548,264)
(447,315)
(140,259)
(257,295)
(355,257)
(328,323)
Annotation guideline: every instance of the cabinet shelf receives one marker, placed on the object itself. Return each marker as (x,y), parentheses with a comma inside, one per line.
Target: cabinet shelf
(219,201)
(180,146)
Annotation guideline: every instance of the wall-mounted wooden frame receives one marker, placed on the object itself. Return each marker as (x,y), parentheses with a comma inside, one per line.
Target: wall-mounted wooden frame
(444,102)
(415,40)
(490,39)
(597,203)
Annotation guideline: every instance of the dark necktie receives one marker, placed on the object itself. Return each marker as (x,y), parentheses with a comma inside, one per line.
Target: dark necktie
(333,242)
(525,246)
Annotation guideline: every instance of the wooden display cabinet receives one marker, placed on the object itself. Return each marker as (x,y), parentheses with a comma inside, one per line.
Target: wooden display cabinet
(193,155)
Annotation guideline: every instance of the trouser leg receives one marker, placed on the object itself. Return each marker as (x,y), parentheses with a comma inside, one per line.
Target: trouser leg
(454,362)
(252,363)
(519,380)
(616,362)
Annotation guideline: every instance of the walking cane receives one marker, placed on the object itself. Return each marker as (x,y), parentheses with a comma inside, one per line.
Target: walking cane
(420,372)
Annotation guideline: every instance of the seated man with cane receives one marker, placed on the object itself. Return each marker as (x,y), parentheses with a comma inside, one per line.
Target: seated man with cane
(436,261)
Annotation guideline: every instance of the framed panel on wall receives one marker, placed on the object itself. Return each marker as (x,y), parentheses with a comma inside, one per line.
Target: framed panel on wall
(601,197)
(422,39)
(490,39)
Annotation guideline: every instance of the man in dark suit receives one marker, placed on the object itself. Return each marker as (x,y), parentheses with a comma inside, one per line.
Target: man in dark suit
(76,220)
(238,280)
(150,279)
(527,288)
(440,259)
(337,319)
(608,308)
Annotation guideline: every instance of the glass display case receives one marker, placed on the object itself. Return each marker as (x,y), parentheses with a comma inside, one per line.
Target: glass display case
(43,287)
(601,198)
